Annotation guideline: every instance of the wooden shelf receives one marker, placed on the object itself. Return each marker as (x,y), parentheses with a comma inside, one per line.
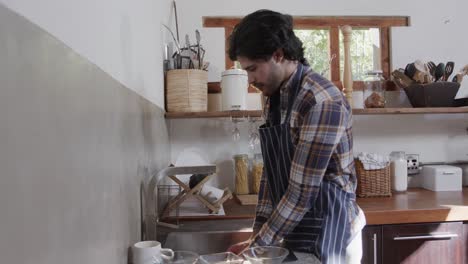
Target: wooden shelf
(403,111)
(374,111)
(250,113)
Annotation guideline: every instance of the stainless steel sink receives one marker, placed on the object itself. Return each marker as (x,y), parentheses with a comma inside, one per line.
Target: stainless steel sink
(205,242)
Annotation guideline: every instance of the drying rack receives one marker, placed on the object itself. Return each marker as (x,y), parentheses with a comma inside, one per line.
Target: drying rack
(187,192)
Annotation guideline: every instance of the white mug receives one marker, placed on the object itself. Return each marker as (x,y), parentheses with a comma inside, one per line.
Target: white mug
(150,252)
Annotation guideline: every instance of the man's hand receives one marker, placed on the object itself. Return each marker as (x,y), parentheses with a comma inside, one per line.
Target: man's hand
(239,247)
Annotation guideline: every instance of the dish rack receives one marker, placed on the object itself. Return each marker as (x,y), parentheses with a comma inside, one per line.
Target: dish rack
(170,197)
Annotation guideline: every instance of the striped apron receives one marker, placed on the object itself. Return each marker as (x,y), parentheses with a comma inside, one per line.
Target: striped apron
(325,230)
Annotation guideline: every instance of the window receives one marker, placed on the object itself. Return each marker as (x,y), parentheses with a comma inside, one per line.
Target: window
(370,48)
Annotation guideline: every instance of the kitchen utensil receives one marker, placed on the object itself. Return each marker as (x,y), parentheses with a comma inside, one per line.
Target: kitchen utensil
(421,66)
(439,72)
(176,19)
(432,67)
(177,44)
(176,57)
(189,51)
(410,70)
(266,255)
(448,70)
(198,38)
(221,258)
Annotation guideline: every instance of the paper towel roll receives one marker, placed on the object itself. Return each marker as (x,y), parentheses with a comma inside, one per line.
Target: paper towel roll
(150,252)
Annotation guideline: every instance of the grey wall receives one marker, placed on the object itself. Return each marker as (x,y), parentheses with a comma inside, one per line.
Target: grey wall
(75,145)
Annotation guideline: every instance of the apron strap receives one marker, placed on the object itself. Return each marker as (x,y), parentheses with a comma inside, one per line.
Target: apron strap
(274,115)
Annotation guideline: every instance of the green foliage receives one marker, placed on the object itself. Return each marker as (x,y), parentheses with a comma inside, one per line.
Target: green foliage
(316,49)
(365,51)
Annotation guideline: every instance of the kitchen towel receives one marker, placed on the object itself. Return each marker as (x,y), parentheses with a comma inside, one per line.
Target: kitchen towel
(373,161)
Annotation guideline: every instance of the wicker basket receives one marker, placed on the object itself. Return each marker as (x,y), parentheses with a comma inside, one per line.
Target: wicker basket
(372,183)
(187,90)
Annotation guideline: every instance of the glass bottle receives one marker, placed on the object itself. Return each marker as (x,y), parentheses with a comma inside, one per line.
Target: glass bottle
(257,171)
(241,167)
(374,94)
(399,171)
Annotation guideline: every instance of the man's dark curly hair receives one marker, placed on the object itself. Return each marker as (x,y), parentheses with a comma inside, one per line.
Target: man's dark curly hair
(261,33)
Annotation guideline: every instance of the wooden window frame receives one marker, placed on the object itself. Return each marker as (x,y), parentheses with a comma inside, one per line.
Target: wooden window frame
(333,24)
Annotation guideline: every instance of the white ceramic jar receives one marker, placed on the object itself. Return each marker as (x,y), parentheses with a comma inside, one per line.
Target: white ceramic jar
(234,89)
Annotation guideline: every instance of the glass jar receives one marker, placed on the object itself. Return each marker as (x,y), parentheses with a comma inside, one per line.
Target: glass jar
(399,171)
(374,94)
(257,171)
(241,167)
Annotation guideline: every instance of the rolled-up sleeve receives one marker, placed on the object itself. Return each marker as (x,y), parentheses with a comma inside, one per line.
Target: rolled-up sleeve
(320,130)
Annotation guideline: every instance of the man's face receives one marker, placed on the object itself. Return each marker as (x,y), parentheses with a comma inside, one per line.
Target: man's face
(265,75)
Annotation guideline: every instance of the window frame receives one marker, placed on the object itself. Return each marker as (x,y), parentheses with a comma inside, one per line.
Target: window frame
(333,24)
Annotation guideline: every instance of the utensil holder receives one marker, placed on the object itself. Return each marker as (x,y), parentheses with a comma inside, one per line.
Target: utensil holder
(187,90)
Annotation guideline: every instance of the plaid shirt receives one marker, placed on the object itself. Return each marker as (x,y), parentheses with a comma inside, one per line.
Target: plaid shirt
(321,121)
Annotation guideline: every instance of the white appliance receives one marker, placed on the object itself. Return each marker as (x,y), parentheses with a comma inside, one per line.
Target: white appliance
(234,89)
(442,178)
(464,169)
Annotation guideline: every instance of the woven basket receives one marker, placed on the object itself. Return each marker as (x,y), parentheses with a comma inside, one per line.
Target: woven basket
(372,183)
(187,91)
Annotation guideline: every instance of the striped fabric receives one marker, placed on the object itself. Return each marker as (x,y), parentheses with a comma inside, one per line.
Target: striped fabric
(307,191)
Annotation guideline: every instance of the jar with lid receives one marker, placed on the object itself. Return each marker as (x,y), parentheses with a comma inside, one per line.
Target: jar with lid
(374,94)
(241,167)
(399,171)
(257,171)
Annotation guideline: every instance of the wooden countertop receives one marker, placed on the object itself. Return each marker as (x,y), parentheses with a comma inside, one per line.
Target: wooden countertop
(414,206)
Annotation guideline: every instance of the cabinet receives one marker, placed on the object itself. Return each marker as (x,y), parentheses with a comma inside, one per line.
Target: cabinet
(415,243)
(372,244)
(465,241)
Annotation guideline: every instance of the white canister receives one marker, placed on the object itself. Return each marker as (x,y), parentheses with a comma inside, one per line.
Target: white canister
(234,89)
(399,171)
(358,99)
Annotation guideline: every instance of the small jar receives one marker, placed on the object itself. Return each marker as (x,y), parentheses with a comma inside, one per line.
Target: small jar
(257,171)
(374,94)
(399,171)
(241,167)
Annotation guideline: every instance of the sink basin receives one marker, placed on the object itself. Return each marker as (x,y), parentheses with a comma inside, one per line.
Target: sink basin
(205,242)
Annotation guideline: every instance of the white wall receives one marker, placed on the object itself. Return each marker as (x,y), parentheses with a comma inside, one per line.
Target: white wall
(122,37)
(75,144)
(435,33)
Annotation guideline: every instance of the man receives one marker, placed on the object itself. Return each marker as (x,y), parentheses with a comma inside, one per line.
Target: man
(306,201)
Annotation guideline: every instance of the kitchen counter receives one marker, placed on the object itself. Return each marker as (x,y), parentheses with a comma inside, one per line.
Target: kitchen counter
(414,206)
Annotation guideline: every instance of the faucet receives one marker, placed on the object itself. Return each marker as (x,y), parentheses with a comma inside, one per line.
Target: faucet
(150,216)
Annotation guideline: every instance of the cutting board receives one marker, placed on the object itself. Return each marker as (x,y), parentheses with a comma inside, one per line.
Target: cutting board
(247,199)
